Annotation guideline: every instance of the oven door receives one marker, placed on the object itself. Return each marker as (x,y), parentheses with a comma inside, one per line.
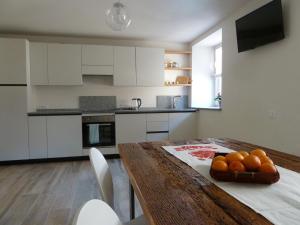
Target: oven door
(98,134)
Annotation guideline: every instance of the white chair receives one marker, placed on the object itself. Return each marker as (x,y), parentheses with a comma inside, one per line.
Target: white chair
(97,212)
(104,178)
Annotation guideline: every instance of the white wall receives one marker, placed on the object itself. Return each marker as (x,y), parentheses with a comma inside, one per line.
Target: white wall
(260,87)
(67,96)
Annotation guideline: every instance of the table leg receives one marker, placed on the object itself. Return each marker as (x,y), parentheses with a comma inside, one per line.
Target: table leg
(132,206)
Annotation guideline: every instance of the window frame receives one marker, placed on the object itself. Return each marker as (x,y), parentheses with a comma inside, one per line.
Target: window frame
(217,90)
(215,50)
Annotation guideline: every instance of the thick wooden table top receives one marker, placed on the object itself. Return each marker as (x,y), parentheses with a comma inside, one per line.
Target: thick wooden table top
(170,192)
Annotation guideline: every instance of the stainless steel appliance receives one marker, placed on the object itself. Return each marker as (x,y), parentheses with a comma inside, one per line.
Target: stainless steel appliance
(98,130)
(136,103)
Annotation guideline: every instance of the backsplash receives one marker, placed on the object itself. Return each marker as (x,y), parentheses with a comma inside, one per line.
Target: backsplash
(67,96)
(167,101)
(97,102)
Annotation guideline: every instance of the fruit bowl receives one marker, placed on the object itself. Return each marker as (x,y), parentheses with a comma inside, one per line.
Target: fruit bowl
(244,177)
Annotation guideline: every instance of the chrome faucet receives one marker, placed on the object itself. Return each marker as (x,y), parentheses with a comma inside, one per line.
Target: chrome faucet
(174,101)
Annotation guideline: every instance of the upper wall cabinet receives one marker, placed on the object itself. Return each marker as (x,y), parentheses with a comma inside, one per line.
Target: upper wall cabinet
(97,60)
(38,64)
(64,64)
(124,66)
(13,61)
(150,66)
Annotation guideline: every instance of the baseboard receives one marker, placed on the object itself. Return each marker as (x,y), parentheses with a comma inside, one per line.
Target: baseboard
(64,159)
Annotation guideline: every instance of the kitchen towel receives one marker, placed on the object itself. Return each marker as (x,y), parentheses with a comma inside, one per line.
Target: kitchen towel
(93,133)
(279,202)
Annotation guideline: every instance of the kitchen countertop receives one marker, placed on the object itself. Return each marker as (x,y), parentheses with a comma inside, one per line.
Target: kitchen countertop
(55,112)
(65,112)
(154,110)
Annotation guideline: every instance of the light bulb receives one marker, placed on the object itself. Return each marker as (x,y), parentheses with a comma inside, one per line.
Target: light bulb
(117,17)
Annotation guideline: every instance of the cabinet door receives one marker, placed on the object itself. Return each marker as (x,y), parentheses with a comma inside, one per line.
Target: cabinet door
(38,64)
(124,66)
(14,124)
(150,66)
(158,137)
(182,126)
(37,137)
(64,64)
(130,128)
(97,55)
(64,136)
(13,61)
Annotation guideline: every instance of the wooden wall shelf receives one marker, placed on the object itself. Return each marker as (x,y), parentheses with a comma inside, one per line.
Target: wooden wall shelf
(178,52)
(179,68)
(178,85)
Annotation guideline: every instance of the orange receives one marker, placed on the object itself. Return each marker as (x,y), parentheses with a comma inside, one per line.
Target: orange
(220,157)
(220,166)
(252,162)
(234,156)
(244,153)
(267,168)
(258,152)
(237,166)
(266,159)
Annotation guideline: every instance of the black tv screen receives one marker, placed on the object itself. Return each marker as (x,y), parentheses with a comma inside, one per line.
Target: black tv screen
(262,26)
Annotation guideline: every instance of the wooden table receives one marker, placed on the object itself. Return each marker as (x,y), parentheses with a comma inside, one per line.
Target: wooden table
(170,192)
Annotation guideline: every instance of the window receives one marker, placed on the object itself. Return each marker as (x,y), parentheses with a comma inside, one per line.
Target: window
(207,71)
(217,72)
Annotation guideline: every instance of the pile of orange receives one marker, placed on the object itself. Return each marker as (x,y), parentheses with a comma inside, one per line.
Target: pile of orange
(242,161)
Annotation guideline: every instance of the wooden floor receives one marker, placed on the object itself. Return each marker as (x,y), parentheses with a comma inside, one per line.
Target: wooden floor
(52,193)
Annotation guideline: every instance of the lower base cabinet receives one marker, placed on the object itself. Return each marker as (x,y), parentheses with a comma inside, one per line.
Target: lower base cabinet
(133,128)
(64,136)
(130,128)
(55,136)
(182,126)
(37,127)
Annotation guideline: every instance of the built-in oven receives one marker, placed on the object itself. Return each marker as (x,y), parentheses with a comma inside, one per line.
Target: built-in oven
(98,131)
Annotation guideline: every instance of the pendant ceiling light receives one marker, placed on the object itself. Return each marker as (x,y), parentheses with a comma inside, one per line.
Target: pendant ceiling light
(117,17)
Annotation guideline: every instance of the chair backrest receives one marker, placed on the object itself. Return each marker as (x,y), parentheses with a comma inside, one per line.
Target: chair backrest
(96,212)
(104,178)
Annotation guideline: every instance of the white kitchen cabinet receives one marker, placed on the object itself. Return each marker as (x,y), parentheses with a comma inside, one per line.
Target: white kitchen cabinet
(124,66)
(97,70)
(182,126)
(130,128)
(97,60)
(157,126)
(13,124)
(64,136)
(64,64)
(150,66)
(13,61)
(38,64)
(37,137)
(97,55)
(157,136)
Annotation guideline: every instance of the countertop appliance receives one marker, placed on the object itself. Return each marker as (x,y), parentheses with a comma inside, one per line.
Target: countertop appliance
(98,130)
(136,103)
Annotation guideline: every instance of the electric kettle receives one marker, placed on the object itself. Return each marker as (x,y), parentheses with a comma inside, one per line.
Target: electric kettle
(136,103)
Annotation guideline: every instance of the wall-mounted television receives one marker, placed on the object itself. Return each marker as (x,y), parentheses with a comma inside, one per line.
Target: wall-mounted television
(260,27)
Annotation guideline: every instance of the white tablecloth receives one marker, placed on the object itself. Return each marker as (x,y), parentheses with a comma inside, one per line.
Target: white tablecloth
(279,202)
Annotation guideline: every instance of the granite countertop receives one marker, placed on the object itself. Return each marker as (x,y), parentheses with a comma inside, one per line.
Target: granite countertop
(62,112)
(154,110)
(55,112)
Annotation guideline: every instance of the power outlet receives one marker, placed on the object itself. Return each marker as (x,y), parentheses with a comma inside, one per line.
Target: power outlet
(273,114)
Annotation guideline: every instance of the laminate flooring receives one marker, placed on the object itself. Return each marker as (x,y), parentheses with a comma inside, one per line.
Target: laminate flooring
(52,193)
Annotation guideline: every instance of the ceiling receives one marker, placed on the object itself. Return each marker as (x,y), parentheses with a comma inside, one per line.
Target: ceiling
(159,20)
